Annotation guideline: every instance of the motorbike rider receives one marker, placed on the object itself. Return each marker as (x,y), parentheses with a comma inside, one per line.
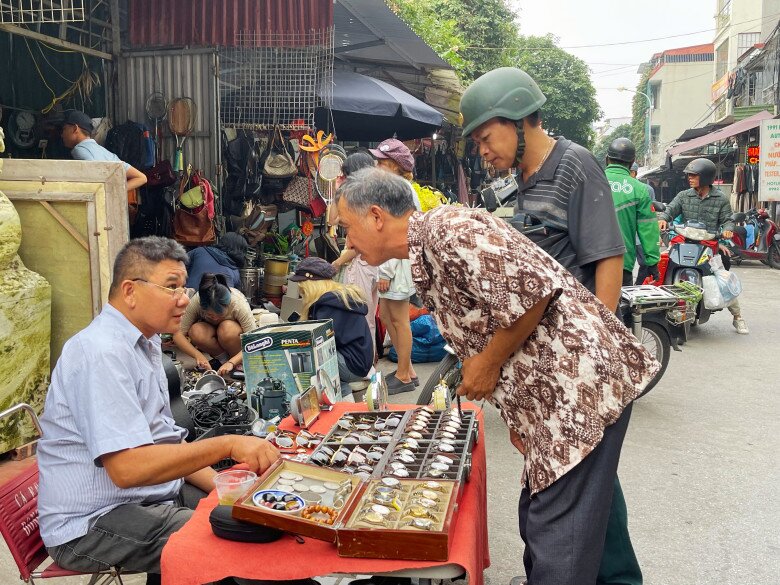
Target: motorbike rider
(634,211)
(563,190)
(706,203)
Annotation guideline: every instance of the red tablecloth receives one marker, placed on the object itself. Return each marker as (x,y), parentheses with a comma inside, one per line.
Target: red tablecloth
(194,555)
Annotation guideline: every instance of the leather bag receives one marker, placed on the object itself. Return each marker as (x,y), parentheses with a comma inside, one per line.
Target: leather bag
(192,198)
(192,227)
(278,164)
(160,175)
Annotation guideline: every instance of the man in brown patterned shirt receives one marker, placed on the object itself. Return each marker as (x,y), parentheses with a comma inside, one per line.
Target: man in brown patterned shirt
(559,365)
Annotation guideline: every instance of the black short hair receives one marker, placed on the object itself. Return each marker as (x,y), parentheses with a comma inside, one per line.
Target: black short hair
(356,161)
(622,163)
(138,258)
(234,245)
(214,293)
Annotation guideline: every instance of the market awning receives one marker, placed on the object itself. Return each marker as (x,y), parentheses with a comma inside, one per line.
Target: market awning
(368,31)
(365,108)
(718,135)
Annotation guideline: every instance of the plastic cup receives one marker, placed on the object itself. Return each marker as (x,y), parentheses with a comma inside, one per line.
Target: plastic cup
(233,484)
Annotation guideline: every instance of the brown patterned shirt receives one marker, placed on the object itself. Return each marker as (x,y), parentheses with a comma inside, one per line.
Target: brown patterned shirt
(576,372)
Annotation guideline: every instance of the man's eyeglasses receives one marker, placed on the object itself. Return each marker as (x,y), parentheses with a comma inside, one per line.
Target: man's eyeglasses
(176,293)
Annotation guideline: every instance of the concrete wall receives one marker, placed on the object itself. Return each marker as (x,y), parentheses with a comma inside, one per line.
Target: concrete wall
(771,13)
(684,99)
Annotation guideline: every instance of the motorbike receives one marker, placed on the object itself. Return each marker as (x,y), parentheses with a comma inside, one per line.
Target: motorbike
(766,246)
(688,260)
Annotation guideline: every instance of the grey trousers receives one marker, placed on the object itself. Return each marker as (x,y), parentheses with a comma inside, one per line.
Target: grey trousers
(564,526)
(130,536)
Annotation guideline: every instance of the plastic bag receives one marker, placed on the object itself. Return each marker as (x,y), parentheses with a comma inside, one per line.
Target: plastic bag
(713,299)
(728,282)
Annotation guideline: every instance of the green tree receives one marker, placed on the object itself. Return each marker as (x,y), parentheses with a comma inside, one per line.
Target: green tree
(476,36)
(439,33)
(571,106)
(469,34)
(602,144)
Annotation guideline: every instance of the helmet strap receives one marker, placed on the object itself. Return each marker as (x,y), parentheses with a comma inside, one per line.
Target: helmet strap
(520,142)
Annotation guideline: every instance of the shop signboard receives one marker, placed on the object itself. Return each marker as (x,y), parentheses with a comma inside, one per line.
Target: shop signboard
(769,164)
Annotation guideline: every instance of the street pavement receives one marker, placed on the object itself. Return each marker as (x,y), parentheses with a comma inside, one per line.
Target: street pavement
(701,461)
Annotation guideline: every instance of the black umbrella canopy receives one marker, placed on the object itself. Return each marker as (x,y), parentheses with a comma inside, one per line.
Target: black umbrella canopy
(368,109)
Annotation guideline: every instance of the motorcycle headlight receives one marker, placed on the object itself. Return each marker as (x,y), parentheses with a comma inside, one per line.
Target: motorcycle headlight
(688,275)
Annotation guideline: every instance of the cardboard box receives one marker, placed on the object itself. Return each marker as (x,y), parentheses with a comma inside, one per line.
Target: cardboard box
(293,353)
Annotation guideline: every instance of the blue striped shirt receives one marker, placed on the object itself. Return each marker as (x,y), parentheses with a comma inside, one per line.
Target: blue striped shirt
(108,393)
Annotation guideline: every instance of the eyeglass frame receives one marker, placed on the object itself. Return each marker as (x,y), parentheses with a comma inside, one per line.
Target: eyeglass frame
(176,293)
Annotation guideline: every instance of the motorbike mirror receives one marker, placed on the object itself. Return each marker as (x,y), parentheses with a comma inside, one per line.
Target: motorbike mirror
(659,206)
(738,217)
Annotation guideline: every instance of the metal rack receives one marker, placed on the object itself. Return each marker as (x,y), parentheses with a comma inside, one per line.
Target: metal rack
(39,11)
(276,79)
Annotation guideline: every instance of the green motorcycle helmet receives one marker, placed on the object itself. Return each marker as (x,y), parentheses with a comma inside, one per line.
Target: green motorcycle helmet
(506,92)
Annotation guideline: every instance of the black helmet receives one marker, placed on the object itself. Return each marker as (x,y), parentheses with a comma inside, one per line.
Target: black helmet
(703,167)
(622,149)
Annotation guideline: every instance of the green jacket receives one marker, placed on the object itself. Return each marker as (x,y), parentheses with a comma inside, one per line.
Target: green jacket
(635,216)
(714,210)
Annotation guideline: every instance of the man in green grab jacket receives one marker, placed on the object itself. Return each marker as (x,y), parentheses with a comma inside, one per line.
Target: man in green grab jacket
(634,210)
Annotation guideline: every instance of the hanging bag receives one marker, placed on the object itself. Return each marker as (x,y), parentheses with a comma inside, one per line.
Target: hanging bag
(193,227)
(279,164)
(190,190)
(160,175)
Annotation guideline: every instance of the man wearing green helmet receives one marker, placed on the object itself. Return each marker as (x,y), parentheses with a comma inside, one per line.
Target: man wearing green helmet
(564,204)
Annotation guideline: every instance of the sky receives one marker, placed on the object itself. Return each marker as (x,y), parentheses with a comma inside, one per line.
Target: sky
(599,22)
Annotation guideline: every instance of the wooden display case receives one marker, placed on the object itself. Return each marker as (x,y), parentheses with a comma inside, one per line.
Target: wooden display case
(395,537)
(246,509)
(399,539)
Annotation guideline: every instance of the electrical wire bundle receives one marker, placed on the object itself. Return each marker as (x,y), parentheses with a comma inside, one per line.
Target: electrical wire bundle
(220,408)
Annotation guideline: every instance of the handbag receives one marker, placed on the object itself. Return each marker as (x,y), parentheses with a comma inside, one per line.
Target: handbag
(279,164)
(193,227)
(257,223)
(160,175)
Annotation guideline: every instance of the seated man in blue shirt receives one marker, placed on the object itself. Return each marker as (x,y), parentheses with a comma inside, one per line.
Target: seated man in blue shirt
(77,130)
(116,477)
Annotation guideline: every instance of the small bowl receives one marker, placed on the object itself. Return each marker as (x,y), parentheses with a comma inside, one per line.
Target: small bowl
(261,497)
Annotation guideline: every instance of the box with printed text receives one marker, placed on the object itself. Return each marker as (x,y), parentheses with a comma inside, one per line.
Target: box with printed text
(297,355)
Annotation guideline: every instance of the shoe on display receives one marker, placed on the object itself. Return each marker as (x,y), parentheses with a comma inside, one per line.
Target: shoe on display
(740,326)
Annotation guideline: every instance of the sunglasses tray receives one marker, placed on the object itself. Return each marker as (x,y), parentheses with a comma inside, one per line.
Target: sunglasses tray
(417,519)
(330,485)
(403,456)
(416,528)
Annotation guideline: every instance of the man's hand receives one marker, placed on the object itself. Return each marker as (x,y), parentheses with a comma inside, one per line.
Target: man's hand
(226,368)
(258,454)
(201,362)
(662,225)
(480,376)
(383,285)
(727,235)
(515,439)
(725,250)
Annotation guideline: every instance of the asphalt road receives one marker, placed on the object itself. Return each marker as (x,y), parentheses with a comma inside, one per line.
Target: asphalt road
(700,466)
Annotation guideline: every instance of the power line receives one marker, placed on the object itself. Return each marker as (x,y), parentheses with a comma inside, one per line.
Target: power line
(762,18)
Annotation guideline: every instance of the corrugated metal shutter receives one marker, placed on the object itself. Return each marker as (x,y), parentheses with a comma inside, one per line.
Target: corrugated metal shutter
(189,73)
(209,23)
